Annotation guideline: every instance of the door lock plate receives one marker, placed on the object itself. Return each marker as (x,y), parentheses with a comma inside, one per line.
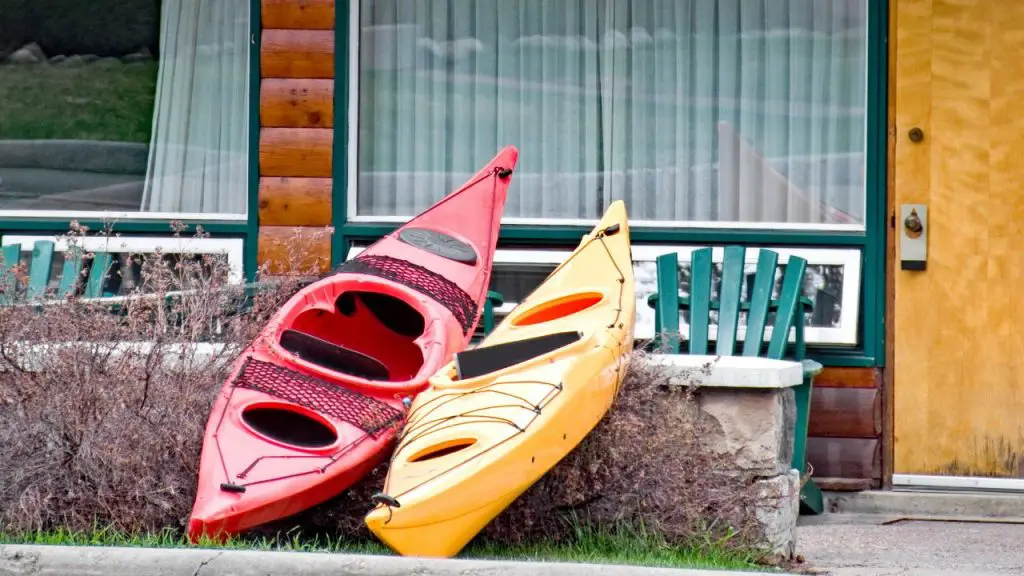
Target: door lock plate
(913,236)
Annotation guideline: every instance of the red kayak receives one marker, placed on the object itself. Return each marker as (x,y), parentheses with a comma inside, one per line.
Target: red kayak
(314,403)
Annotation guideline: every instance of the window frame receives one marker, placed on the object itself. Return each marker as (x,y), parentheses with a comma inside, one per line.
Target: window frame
(245,226)
(349,40)
(870,241)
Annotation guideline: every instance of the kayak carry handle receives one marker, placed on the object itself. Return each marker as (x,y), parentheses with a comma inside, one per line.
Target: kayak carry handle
(504,173)
(229,487)
(611,230)
(382,498)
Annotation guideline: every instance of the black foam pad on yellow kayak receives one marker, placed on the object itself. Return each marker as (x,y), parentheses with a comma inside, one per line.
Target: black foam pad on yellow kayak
(487,359)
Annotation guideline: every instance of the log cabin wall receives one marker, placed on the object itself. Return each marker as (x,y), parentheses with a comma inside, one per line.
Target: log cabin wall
(844,442)
(296,129)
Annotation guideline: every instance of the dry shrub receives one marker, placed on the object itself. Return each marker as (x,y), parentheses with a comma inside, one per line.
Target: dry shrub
(102,413)
(644,464)
(93,437)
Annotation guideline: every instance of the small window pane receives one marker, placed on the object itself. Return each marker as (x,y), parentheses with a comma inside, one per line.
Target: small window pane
(125,106)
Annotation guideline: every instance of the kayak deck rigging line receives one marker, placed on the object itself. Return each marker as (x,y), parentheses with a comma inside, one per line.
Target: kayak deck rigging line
(360,410)
(332,459)
(369,415)
(450,295)
(419,278)
(418,427)
(439,424)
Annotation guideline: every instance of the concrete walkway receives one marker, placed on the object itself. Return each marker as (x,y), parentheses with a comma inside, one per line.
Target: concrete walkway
(18,560)
(929,534)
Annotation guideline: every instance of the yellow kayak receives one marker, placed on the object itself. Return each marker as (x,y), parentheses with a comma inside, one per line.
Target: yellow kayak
(502,414)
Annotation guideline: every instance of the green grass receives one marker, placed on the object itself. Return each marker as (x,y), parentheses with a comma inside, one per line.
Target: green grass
(90,102)
(622,545)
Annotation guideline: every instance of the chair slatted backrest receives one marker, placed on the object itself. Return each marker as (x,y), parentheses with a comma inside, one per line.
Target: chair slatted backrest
(788,307)
(41,266)
(9,257)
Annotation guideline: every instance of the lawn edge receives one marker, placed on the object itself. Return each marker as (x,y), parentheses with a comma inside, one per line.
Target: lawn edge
(60,560)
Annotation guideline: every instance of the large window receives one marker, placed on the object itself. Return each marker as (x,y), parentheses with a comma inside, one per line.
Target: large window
(124,106)
(711,112)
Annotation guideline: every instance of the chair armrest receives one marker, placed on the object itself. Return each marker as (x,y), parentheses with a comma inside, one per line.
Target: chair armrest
(811,367)
(495,298)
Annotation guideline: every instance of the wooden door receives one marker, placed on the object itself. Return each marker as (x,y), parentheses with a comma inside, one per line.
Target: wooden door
(959,325)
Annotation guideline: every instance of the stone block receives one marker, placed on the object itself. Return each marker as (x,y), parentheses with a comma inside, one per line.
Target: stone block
(777,510)
(754,426)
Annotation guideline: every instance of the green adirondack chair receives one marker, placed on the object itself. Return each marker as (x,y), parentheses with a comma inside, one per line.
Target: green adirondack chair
(790,308)
(72,274)
(487,320)
(40,271)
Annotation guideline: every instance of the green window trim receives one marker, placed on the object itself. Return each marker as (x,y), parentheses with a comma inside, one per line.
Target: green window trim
(216,228)
(872,241)
(252,229)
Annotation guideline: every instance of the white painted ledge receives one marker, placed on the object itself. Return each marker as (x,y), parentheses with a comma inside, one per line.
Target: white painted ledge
(32,357)
(733,371)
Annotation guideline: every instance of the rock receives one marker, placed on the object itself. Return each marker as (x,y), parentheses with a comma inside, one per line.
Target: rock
(141,55)
(89,58)
(753,425)
(777,511)
(108,62)
(28,54)
(135,57)
(73,61)
(58,59)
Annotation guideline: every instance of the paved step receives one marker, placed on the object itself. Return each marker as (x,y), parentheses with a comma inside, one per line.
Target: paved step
(895,504)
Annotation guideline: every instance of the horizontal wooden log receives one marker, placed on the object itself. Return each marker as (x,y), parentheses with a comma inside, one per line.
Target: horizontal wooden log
(846,484)
(837,377)
(296,103)
(298,14)
(845,457)
(299,152)
(294,250)
(846,413)
(297,54)
(295,201)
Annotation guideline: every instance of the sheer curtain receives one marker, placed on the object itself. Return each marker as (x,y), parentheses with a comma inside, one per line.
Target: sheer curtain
(690,110)
(198,159)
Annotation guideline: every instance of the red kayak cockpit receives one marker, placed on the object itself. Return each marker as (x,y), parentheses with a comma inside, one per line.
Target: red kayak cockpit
(369,332)
(369,335)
